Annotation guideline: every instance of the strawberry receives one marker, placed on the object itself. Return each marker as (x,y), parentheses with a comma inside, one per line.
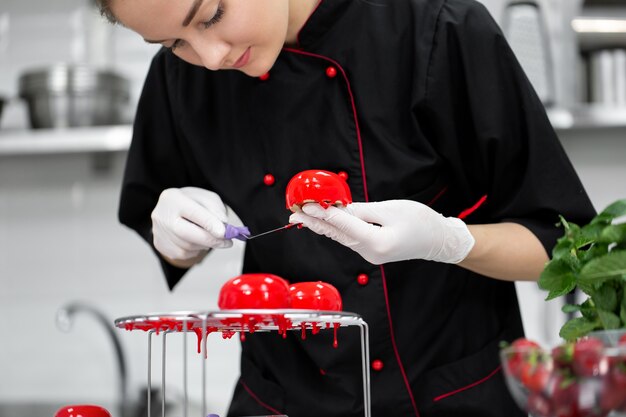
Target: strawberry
(562,356)
(534,376)
(518,356)
(538,405)
(588,356)
(565,392)
(613,390)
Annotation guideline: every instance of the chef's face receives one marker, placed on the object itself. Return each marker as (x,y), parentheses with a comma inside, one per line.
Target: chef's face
(245,35)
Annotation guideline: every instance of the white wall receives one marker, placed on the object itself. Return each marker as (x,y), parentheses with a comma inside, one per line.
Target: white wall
(59,242)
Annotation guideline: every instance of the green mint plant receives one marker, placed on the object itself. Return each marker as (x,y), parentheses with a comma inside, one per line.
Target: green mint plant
(591,258)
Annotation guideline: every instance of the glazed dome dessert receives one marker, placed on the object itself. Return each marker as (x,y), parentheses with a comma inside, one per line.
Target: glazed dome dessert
(315,296)
(254,291)
(317,186)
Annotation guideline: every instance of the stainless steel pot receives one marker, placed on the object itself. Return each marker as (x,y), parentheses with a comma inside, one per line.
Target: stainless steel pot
(73,96)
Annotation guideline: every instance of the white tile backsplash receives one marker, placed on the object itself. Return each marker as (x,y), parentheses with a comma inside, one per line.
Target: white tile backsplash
(60,241)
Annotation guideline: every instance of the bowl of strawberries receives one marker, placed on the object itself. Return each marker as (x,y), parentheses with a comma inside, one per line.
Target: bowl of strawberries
(583,378)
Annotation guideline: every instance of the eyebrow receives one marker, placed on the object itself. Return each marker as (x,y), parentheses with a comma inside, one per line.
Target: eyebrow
(190,15)
(192,12)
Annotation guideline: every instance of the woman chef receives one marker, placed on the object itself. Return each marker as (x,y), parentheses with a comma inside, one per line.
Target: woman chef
(457,176)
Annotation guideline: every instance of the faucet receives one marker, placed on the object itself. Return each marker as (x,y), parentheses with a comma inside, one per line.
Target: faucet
(64,320)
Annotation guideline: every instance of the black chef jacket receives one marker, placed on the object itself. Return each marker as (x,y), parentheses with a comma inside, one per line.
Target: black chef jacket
(414,99)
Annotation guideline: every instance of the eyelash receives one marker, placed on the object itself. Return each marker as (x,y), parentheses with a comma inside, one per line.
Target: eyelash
(219,13)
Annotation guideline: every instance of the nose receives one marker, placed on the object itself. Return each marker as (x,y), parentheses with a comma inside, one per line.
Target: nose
(213,55)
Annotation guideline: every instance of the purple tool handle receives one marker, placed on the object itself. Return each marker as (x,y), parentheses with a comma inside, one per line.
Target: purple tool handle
(236,232)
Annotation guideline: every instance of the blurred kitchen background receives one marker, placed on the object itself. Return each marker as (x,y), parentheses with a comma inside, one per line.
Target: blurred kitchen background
(61,244)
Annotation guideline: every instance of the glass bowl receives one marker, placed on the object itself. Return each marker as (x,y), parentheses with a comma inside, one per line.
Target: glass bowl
(570,380)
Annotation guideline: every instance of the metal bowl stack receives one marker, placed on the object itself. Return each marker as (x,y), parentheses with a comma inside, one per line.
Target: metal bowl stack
(74,96)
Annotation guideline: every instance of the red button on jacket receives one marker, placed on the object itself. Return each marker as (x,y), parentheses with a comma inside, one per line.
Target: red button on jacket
(269,179)
(362,279)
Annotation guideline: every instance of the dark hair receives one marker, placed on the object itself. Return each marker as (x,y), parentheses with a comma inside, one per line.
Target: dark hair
(105,11)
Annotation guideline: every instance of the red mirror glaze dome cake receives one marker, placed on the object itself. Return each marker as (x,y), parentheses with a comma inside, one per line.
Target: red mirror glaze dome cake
(315,296)
(82,410)
(317,186)
(252,291)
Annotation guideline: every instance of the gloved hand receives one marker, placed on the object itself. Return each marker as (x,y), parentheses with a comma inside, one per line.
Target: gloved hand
(188,221)
(390,231)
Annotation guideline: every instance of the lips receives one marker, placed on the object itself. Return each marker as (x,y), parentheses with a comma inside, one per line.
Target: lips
(243,59)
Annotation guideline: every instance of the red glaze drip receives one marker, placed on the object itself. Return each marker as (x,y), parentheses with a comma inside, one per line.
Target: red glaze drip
(316,185)
(335,327)
(227,334)
(198,333)
(247,322)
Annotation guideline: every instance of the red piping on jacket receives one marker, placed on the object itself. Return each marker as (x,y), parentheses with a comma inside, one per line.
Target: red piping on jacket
(393,343)
(439,194)
(354,114)
(472,209)
(358,133)
(255,398)
(473,384)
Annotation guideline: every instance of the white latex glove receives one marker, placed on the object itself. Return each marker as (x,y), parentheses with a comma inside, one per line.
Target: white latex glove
(187,222)
(390,231)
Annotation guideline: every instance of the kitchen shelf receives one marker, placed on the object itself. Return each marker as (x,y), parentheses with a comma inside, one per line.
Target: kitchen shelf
(70,140)
(118,138)
(587,117)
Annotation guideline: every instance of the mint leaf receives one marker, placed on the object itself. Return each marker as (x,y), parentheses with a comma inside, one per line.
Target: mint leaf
(605,298)
(576,328)
(570,308)
(609,320)
(606,267)
(589,234)
(615,209)
(614,233)
(562,249)
(622,311)
(557,278)
(588,310)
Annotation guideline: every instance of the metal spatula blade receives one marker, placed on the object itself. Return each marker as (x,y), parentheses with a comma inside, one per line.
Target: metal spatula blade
(285,227)
(242,232)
